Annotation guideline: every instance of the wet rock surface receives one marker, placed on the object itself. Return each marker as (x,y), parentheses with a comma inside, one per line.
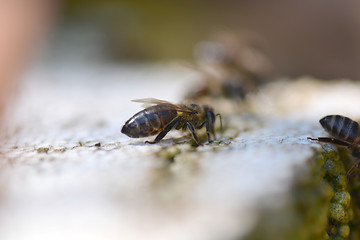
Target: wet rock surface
(68,173)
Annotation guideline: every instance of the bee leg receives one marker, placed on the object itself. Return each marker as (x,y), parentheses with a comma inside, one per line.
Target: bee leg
(192,130)
(220,118)
(163,133)
(356,165)
(330,140)
(210,121)
(208,132)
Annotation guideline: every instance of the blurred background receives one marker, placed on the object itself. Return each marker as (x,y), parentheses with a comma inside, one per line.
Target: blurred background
(319,38)
(316,38)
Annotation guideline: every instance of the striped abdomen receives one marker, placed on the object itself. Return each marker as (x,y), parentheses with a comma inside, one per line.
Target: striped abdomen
(341,127)
(149,121)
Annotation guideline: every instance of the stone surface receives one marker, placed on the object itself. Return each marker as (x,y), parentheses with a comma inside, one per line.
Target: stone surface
(68,173)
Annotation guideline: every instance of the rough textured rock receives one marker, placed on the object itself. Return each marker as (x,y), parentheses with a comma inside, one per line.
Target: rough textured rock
(68,173)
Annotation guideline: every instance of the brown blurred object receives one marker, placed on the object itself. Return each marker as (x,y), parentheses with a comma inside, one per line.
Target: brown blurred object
(22,23)
(231,66)
(319,38)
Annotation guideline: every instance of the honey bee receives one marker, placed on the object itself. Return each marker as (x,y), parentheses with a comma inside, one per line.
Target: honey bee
(344,132)
(165,116)
(218,82)
(231,66)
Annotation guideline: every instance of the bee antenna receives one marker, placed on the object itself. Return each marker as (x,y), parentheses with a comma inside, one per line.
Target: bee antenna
(221,125)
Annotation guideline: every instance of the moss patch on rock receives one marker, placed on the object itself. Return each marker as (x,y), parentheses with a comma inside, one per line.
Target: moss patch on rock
(323,204)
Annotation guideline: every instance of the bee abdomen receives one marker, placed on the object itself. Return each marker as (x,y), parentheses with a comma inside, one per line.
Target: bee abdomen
(148,122)
(341,127)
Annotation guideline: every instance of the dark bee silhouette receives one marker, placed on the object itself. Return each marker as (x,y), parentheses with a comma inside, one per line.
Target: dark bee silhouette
(220,82)
(164,116)
(344,132)
(231,66)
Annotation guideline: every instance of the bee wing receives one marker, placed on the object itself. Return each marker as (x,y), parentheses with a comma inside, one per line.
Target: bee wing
(153,101)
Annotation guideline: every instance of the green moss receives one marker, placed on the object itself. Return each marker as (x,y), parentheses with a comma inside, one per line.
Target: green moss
(342,197)
(305,216)
(343,231)
(321,204)
(334,168)
(168,153)
(325,237)
(60,149)
(340,182)
(342,209)
(42,149)
(337,212)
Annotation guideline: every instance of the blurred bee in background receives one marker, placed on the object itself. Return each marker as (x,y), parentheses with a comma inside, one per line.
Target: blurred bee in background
(344,132)
(230,68)
(165,116)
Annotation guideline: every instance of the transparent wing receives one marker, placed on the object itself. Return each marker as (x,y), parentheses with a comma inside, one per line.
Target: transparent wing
(153,101)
